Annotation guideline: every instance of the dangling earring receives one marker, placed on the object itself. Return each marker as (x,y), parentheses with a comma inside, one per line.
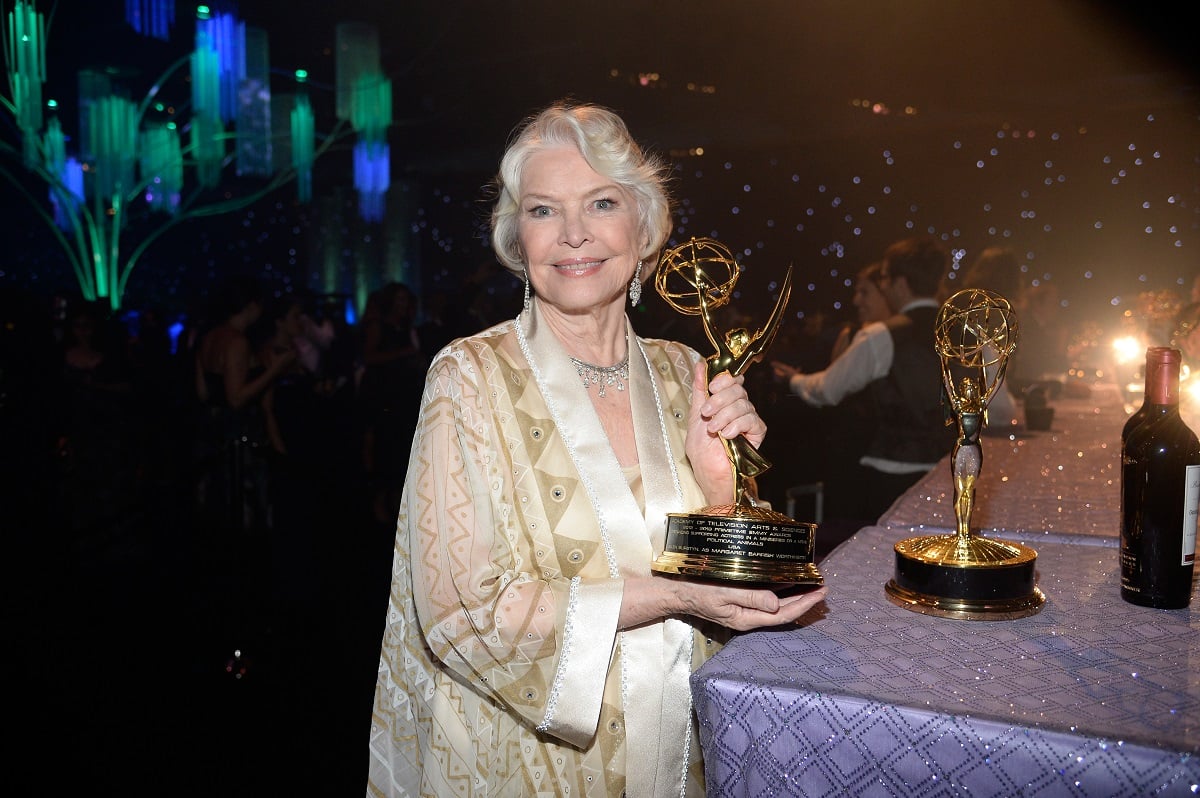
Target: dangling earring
(635,286)
(525,303)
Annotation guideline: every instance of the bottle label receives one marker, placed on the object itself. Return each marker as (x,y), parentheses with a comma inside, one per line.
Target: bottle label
(1191,513)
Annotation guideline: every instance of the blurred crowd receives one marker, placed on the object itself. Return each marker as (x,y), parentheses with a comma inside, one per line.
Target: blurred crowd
(201,503)
(265,421)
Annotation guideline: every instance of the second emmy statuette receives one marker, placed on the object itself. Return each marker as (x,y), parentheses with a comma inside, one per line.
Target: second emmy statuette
(965,575)
(743,541)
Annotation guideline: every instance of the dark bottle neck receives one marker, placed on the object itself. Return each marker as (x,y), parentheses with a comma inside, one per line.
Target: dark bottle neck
(1162,377)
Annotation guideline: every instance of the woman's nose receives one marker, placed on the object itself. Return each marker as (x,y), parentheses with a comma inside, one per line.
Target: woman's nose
(574,229)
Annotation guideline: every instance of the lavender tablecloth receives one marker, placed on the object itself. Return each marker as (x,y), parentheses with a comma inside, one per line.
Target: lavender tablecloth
(1062,481)
(1090,697)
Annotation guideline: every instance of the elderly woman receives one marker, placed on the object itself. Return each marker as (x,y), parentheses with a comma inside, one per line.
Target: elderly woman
(529,647)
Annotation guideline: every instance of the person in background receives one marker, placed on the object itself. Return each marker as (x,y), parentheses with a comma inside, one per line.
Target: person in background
(283,327)
(529,648)
(100,436)
(842,431)
(850,425)
(998,270)
(390,392)
(870,305)
(231,383)
(227,369)
(897,359)
(232,490)
(453,312)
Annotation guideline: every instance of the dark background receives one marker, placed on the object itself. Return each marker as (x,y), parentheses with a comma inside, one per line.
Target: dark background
(1066,129)
(828,129)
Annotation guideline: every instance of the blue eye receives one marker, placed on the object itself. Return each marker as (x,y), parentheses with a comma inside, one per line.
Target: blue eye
(605,204)
(540,210)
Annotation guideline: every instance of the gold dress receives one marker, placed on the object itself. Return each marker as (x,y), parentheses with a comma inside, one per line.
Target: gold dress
(502,671)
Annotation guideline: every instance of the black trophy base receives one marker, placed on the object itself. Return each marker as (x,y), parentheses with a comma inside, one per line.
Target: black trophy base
(971,578)
(740,543)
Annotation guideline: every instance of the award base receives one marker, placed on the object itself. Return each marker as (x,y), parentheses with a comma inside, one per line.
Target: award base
(965,577)
(740,543)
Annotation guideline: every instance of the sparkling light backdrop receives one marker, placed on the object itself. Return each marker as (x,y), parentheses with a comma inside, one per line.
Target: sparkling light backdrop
(810,133)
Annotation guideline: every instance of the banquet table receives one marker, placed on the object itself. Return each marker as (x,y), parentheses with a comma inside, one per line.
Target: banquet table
(1091,696)
(1061,481)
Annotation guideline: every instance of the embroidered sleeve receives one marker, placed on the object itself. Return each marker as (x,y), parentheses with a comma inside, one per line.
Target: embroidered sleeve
(492,606)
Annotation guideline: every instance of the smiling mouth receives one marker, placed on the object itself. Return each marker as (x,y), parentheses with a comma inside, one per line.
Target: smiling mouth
(578,267)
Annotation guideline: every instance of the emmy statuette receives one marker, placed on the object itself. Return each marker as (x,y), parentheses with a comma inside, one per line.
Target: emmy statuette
(965,575)
(743,541)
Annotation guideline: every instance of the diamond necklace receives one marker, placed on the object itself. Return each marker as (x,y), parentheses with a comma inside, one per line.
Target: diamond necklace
(604,376)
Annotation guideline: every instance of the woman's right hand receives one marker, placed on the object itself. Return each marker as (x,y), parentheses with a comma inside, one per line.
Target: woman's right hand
(652,598)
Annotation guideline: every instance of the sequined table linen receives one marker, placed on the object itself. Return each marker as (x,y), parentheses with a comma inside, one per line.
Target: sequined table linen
(1046,484)
(1090,697)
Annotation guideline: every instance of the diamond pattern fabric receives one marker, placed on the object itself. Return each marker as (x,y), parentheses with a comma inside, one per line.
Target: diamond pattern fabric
(1089,697)
(1062,481)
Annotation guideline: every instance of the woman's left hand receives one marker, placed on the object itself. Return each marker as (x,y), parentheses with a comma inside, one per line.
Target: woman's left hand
(719,410)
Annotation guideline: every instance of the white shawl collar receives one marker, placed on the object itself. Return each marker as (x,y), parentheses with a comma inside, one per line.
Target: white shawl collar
(657,657)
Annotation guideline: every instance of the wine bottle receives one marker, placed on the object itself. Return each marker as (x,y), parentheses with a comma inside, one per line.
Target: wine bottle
(1143,412)
(1139,415)
(1160,491)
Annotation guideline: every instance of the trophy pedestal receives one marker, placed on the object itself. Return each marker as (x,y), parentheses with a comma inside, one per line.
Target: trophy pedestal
(967,577)
(740,543)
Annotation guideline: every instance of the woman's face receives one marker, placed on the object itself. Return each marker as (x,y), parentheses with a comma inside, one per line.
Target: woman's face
(578,231)
(872,305)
